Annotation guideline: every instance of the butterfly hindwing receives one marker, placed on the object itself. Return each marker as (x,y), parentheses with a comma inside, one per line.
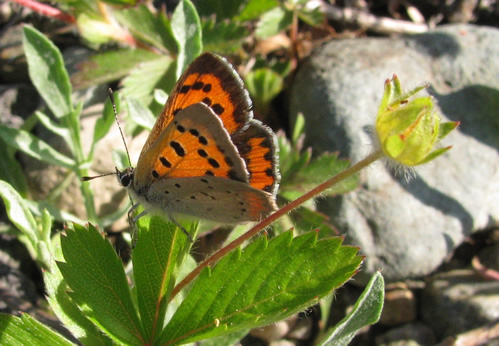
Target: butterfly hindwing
(213,198)
(257,145)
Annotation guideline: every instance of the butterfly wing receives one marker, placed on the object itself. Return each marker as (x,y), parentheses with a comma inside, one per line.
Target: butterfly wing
(212,198)
(209,79)
(257,145)
(194,144)
(206,156)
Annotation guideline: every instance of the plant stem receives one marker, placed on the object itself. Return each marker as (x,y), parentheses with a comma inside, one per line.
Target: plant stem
(270,219)
(47,10)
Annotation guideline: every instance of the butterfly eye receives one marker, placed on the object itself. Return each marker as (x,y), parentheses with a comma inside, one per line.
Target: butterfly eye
(125,178)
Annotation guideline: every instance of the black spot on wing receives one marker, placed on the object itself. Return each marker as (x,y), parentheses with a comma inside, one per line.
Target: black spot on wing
(202,153)
(165,162)
(218,108)
(185,89)
(214,163)
(203,140)
(179,149)
(197,85)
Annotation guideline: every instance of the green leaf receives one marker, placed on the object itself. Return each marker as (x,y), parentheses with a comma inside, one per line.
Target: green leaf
(109,66)
(313,17)
(104,123)
(186,28)
(223,37)
(52,126)
(120,2)
(65,309)
(161,249)
(255,8)
(142,80)
(266,282)
(96,275)
(366,311)
(97,29)
(263,85)
(322,168)
(37,207)
(305,219)
(222,9)
(18,212)
(47,72)
(160,96)
(291,157)
(25,330)
(299,128)
(139,114)
(149,27)
(229,339)
(273,22)
(34,147)
(11,171)
(188,265)
(72,121)
(446,128)
(121,159)
(434,154)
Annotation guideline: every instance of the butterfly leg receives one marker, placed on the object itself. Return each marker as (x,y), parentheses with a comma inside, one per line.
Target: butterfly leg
(131,219)
(133,223)
(182,228)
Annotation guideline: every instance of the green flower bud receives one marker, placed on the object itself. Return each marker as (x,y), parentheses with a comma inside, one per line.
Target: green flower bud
(408,129)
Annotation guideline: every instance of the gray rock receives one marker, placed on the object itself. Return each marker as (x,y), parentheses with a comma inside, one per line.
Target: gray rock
(400,307)
(408,228)
(459,301)
(416,333)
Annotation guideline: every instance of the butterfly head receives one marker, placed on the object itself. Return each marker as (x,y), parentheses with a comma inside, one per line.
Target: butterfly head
(125,177)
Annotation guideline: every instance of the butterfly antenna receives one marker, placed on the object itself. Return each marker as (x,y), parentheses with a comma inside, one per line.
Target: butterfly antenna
(97,176)
(111,97)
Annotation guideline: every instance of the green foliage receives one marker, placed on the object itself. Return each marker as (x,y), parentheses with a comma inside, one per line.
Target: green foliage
(278,277)
(14,332)
(281,18)
(152,28)
(47,72)
(99,285)
(300,172)
(35,237)
(187,31)
(149,39)
(367,310)
(10,169)
(102,68)
(263,85)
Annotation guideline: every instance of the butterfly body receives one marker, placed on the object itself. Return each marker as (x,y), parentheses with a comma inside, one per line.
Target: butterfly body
(206,156)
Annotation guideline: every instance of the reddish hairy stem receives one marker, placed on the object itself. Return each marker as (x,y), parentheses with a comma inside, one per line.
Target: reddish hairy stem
(47,10)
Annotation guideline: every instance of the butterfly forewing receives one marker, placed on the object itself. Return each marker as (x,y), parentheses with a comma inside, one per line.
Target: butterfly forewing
(193,144)
(212,81)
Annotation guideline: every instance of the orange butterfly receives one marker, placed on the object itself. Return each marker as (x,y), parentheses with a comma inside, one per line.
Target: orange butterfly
(206,156)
